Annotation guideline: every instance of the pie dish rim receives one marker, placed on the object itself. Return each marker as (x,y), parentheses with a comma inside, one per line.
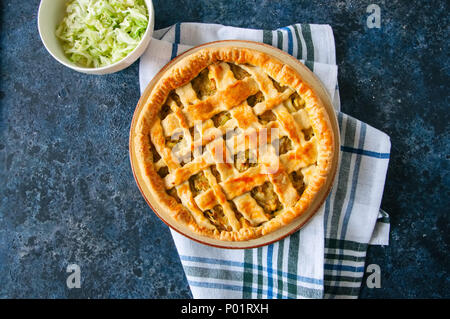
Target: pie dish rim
(331,167)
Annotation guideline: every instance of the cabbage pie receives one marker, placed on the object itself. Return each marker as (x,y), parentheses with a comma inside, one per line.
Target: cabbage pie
(233,143)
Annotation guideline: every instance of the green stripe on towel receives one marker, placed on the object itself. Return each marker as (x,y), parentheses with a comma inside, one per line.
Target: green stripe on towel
(306,31)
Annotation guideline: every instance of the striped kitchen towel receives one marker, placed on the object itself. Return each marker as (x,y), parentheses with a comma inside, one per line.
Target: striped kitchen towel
(325,259)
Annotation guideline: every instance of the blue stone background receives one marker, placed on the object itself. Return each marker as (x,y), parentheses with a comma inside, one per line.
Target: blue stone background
(67,194)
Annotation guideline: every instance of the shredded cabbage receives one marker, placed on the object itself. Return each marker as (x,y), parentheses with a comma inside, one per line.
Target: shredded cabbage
(96,33)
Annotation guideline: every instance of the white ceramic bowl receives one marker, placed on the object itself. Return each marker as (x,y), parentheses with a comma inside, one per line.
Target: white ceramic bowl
(51,13)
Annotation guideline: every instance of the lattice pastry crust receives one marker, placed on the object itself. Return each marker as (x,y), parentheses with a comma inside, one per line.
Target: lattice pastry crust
(233,143)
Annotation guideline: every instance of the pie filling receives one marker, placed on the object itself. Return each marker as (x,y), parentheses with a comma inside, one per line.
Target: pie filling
(238,192)
(218,218)
(198,183)
(221,118)
(266,197)
(244,160)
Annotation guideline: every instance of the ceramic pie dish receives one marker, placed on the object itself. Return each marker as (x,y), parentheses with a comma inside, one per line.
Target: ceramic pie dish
(234,144)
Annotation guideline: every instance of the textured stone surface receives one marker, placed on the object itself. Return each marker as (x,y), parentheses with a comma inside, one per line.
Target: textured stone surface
(66,188)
